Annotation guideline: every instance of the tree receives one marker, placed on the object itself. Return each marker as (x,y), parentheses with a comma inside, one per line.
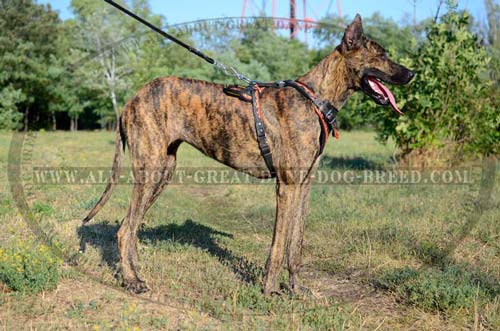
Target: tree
(25,53)
(156,57)
(493,38)
(493,33)
(101,31)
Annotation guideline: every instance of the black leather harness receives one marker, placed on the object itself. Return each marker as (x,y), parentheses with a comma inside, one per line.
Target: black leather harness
(324,109)
(327,113)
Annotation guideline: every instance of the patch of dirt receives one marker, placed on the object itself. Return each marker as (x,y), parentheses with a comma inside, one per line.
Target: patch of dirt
(375,307)
(347,290)
(4,289)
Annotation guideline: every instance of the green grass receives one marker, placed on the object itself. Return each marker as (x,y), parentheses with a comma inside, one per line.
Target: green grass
(28,267)
(440,290)
(375,256)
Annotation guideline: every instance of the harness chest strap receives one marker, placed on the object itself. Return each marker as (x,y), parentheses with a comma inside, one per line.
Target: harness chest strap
(326,112)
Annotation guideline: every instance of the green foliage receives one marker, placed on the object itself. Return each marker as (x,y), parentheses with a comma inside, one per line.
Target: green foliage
(10,118)
(324,318)
(98,32)
(155,57)
(28,267)
(89,204)
(490,121)
(71,95)
(42,209)
(24,59)
(493,37)
(438,290)
(449,101)
(453,100)
(282,57)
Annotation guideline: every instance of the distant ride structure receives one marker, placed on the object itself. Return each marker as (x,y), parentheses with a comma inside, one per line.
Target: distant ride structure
(251,6)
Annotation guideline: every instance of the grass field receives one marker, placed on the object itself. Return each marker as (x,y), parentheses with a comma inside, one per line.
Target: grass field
(375,256)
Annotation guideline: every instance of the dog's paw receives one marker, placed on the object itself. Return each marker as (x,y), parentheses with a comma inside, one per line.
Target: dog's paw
(136,286)
(272,291)
(301,291)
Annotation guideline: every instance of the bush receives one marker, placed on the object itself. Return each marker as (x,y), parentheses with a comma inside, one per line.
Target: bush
(438,289)
(450,101)
(28,267)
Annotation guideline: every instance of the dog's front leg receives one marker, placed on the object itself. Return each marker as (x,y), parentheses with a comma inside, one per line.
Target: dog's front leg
(295,239)
(287,198)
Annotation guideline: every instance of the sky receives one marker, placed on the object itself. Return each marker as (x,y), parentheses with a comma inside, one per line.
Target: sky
(190,10)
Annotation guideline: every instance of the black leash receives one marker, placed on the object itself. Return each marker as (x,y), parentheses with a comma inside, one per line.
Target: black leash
(163,33)
(326,112)
(228,70)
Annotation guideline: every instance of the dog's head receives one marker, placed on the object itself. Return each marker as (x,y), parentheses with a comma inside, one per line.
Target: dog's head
(371,65)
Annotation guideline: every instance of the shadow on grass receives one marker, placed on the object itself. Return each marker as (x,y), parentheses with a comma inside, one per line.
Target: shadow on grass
(439,270)
(103,237)
(352,163)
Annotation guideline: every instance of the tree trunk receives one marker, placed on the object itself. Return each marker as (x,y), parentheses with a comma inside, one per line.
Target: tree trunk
(54,122)
(26,118)
(115,105)
(76,122)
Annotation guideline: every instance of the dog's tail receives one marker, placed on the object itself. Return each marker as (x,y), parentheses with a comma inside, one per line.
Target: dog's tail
(120,141)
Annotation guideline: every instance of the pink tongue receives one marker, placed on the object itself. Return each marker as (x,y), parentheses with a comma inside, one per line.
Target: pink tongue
(382,90)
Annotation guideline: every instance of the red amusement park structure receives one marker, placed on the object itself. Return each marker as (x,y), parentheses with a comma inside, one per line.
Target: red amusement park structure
(251,5)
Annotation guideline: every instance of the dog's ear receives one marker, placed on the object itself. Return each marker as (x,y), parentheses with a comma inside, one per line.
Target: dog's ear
(353,36)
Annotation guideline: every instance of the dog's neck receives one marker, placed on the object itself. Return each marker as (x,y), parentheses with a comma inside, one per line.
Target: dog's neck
(330,79)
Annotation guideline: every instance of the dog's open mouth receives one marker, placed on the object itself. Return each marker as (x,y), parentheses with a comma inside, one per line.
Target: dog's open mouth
(379,93)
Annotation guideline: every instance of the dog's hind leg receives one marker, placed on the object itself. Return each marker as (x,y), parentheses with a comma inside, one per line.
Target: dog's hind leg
(151,176)
(287,197)
(168,170)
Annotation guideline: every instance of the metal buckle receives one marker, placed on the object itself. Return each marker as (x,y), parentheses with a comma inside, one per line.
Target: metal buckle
(329,113)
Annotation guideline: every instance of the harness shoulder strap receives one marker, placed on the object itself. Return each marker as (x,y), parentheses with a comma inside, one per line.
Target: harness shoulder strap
(239,92)
(327,113)
(261,132)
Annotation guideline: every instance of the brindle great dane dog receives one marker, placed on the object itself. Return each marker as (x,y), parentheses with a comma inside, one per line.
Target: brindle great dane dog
(169,111)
